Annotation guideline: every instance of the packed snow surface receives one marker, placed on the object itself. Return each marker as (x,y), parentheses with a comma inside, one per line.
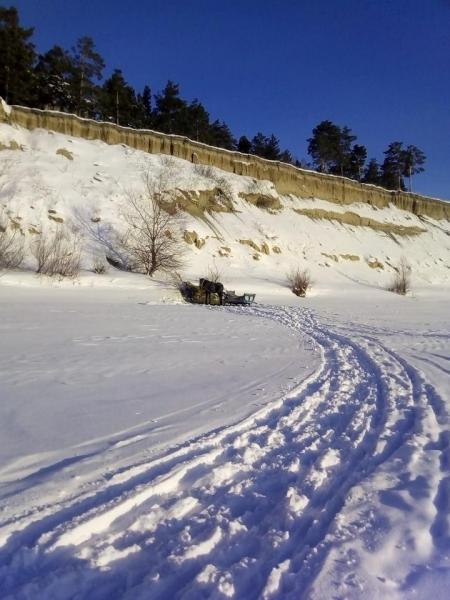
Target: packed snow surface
(159,450)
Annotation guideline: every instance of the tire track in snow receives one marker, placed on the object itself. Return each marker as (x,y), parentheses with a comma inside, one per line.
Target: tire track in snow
(245,511)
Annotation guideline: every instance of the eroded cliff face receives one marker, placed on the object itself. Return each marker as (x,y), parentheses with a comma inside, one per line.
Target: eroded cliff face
(286,178)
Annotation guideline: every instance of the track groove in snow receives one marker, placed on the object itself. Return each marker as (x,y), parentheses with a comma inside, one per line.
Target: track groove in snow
(248,511)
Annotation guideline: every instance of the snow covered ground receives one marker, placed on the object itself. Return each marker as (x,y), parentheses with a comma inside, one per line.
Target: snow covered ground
(151,449)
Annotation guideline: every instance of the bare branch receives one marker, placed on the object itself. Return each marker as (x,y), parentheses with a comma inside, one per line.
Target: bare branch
(58,253)
(152,239)
(214,274)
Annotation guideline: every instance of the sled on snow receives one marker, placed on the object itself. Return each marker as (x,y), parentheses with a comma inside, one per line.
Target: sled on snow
(246,299)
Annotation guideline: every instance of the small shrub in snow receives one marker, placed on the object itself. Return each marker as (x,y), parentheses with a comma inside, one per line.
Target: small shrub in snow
(11,245)
(99,266)
(299,280)
(213,274)
(401,282)
(58,254)
(205,171)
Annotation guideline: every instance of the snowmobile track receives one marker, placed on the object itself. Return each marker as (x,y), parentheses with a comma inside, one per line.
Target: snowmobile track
(247,511)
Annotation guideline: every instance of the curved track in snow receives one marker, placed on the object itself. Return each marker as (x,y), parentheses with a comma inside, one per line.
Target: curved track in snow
(256,510)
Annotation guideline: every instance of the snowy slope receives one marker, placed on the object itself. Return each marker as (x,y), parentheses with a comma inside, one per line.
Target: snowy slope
(91,181)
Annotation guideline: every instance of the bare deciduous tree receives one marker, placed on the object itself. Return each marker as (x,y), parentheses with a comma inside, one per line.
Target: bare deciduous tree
(152,239)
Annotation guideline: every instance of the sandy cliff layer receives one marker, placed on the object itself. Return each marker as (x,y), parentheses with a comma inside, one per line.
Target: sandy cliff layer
(286,178)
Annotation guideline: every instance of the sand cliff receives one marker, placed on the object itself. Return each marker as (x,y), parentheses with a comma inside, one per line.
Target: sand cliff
(286,178)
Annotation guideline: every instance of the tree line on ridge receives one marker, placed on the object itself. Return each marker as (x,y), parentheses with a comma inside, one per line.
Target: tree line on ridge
(72,81)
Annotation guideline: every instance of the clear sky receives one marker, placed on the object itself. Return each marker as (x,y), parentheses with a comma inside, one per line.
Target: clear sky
(382,67)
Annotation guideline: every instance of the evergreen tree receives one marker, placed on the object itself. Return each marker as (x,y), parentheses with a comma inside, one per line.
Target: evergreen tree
(259,142)
(356,162)
(343,159)
(324,146)
(88,65)
(286,157)
(331,149)
(372,173)
(220,135)
(17,59)
(244,145)
(393,167)
(146,101)
(54,71)
(144,117)
(413,160)
(170,109)
(195,122)
(266,147)
(118,101)
(272,150)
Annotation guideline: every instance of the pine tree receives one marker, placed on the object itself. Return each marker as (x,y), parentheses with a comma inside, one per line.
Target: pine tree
(286,157)
(144,118)
(54,71)
(357,160)
(259,142)
(272,150)
(393,167)
(343,159)
(118,101)
(169,109)
(413,159)
(324,146)
(266,147)
(244,145)
(220,135)
(372,173)
(17,58)
(88,65)
(195,122)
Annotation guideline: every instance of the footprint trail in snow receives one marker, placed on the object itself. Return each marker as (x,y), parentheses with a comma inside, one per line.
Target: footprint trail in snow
(338,490)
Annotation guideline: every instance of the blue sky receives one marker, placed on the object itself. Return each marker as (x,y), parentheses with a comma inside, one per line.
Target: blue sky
(382,67)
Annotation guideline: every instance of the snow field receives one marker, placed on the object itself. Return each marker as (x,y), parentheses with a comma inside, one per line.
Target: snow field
(338,489)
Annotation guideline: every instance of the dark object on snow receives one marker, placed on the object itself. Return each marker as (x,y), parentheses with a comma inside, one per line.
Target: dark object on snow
(211,287)
(117,264)
(196,295)
(245,299)
(191,293)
